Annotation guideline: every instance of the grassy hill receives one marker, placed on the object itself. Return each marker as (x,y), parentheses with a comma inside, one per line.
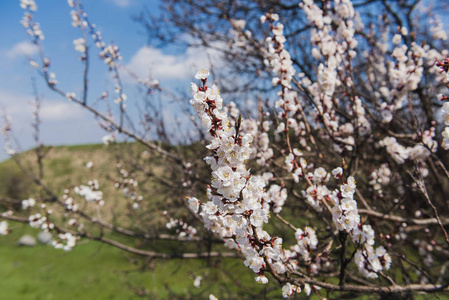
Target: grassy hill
(97,271)
(62,167)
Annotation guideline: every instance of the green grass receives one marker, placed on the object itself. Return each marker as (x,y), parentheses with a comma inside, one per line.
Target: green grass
(61,166)
(90,271)
(96,271)
(14,183)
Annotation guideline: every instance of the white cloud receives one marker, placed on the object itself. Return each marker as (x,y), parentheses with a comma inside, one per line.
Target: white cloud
(14,104)
(122,3)
(148,60)
(152,61)
(61,111)
(20,108)
(22,49)
(63,122)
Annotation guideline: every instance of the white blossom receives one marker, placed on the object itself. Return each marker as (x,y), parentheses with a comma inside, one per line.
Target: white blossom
(4,228)
(202,74)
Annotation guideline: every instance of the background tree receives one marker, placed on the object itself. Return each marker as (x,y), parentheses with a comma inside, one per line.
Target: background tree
(339,171)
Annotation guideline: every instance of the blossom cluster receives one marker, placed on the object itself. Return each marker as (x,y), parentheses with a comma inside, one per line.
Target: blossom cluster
(307,242)
(331,47)
(69,202)
(33,28)
(346,218)
(90,192)
(237,205)
(39,221)
(344,212)
(335,43)
(65,241)
(444,67)
(109,53)
(5,130)
(369,260)
(4,228)
(278,58)
(380,177)
(419,152)
(28,203)
(337,50)
(181,228)
(317,191)
(260,146)
(127,183)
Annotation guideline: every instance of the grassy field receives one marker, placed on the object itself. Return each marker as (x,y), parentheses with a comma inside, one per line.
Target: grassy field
(96,271)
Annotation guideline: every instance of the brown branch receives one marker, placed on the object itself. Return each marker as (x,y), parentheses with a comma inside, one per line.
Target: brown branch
(285,222)
(130,249)
(422,188)
(342,237)
(392,289)
(422,222)
(153,254)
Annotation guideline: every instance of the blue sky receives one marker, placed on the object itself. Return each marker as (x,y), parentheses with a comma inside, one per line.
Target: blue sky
(62,121)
